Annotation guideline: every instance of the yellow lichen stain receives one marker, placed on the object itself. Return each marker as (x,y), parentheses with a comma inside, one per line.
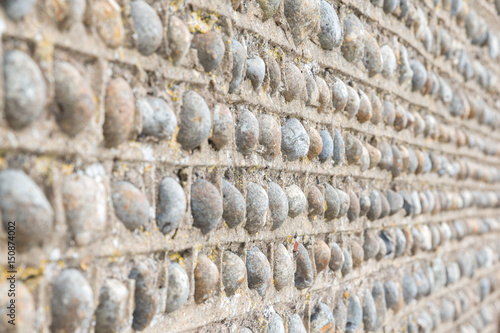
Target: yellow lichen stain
(176,4)
(67,169)
(3,163)
(202,24)
(178,259)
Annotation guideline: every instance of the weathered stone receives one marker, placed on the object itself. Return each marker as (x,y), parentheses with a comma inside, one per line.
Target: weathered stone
(75,98)
(206,206)
(322,319)
(311,89)
(179,39)
(178,287)
(256,70)
(322,255)
(158,119)
(148,27)
(325,97)
(341,97)
(223,126)
(315,144)
(295,324)
(258,271)
(344,203)
(365,108)
(206,276)
(269,136)
(370,316)
(72,302)
(278,205)
(391,294)
(17,9)
(332,202)
(354,314)
(239,62)
(85,208)
(25,89)
(276,324)
(353,149)
(357,254)
(331,32)
(257,205)
(347,266)
(354,209)
(327,149)
(283,268)
(195,121)
(247,133)
(364,203)
(410,289)
(354,38)
(269,8)
(294,139)
(337,257)
(293,82)
(112,309)
(371,245)
(304,273)
(315,201)
(400,242)
(296,200)
(378,294)
(233,272)
(210,48)
(389,62)
(234,205)
(303,17)
(120,112)
(130,204)
(372,58)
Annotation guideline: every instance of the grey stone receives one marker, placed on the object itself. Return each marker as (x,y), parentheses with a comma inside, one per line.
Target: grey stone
(296,200)
(419,75)
(375,205)
(72,302)
(269,136)
(370,316)
(257,204)
(364,203)
(258,271)
(294,139)
(340,315)
(322,319)
(171,205)
(336,258)
(332,202)
(400,243)
(354,314)
(410,289)
(256,70)
(371,245)
(179,39)
(148,27)
(178,287)
(339,155)
(391,294)
(234,205)
(304,272)
(269,8)
(278,205)
(405,71)
(354,209)
(344,201)
(206,277)
(275,324)
(206,206)
(247,133)
(119,112)
(378,294)
(283,268)
(294,83)
(395,201)
(233,272)
(389,62)
(195,121)
(210,48)
(25,89)
(372,58)
(223,126)
(239,61)
(347,266)
(303,18)
(331,32)
(17,9)
(130,204)
(390,5)
(158,119)
(327,151)
(341,97)
(312,89)
(295,324)
(354,38)
(112,309)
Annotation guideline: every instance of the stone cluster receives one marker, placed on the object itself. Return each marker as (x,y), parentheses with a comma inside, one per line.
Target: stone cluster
(251,166)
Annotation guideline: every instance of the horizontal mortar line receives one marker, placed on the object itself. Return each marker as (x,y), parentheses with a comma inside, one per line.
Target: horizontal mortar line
(317,228)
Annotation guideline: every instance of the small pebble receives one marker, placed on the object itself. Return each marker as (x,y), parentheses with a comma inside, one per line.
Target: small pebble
(148,27)
(385,207)
(354,314)
(354,209)
(332,202)
(258,271)
(256,70)
(247,133)
(315,201)
(357,254)
(312,89)
(130,204)
(295,324)
(347,266)
(294,139)
(353,148)
(341,97)
(339,155)
(354,38)
(386,155)
(17,9)
(371,245)
(327,150)
(283,268)
(75,98)
(395,201)
(210,48)
(304,273)
(353,103)
(419,75)
(376,109)
(206,276)
(372,58)
(390,6)
(388,242)
(340,315)
(365,108)
(401,119)
(112,309)
(336,258)
(370,317)
(275,325)
(158,119)
(391,294)
(389,62)
(206,206)
(405,71)
(25,89)
(108,21)
(374,155)
(234,205)
(331,32)
(239,61)
(378,294)
(120,112)
(85,208)
(375,206)
(195,121)
(364,160)
(322,319)
(278,205)
(21,200)
(296,200)
(410,289)
(257,205)
(233,272)
(322,255)
(315,144)
(325,97)
(364,203)
(223,126)
(178,287)
(269,8)
(71,303)
(389,113)
(269,136)
(303,17)
(397,162)
(179,39)
(293,82)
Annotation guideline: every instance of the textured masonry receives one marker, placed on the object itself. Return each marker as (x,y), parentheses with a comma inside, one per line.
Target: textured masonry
(251,165)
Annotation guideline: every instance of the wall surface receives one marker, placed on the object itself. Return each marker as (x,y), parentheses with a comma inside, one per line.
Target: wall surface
(250,165)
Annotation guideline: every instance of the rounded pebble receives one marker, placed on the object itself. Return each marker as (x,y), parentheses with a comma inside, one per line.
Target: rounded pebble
(206,276)
(120,112)
(234,205)
(233,272)
(315,144)
(296,200)
(322,319)
(354,38)
(294,139)
(336,258)
(304,272)
(258,271)
(354,314)
(206,206)
(179,39)
(257,204)
(270,136)
(322,255)
(223,126)
(331,32)
(178,287)
(112,309)
(327,150)
(256,70)
(283,268)
(158,119)
(210,48)
(278,205)
(247,132)
(195,121)
(130,204)
(303,17)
